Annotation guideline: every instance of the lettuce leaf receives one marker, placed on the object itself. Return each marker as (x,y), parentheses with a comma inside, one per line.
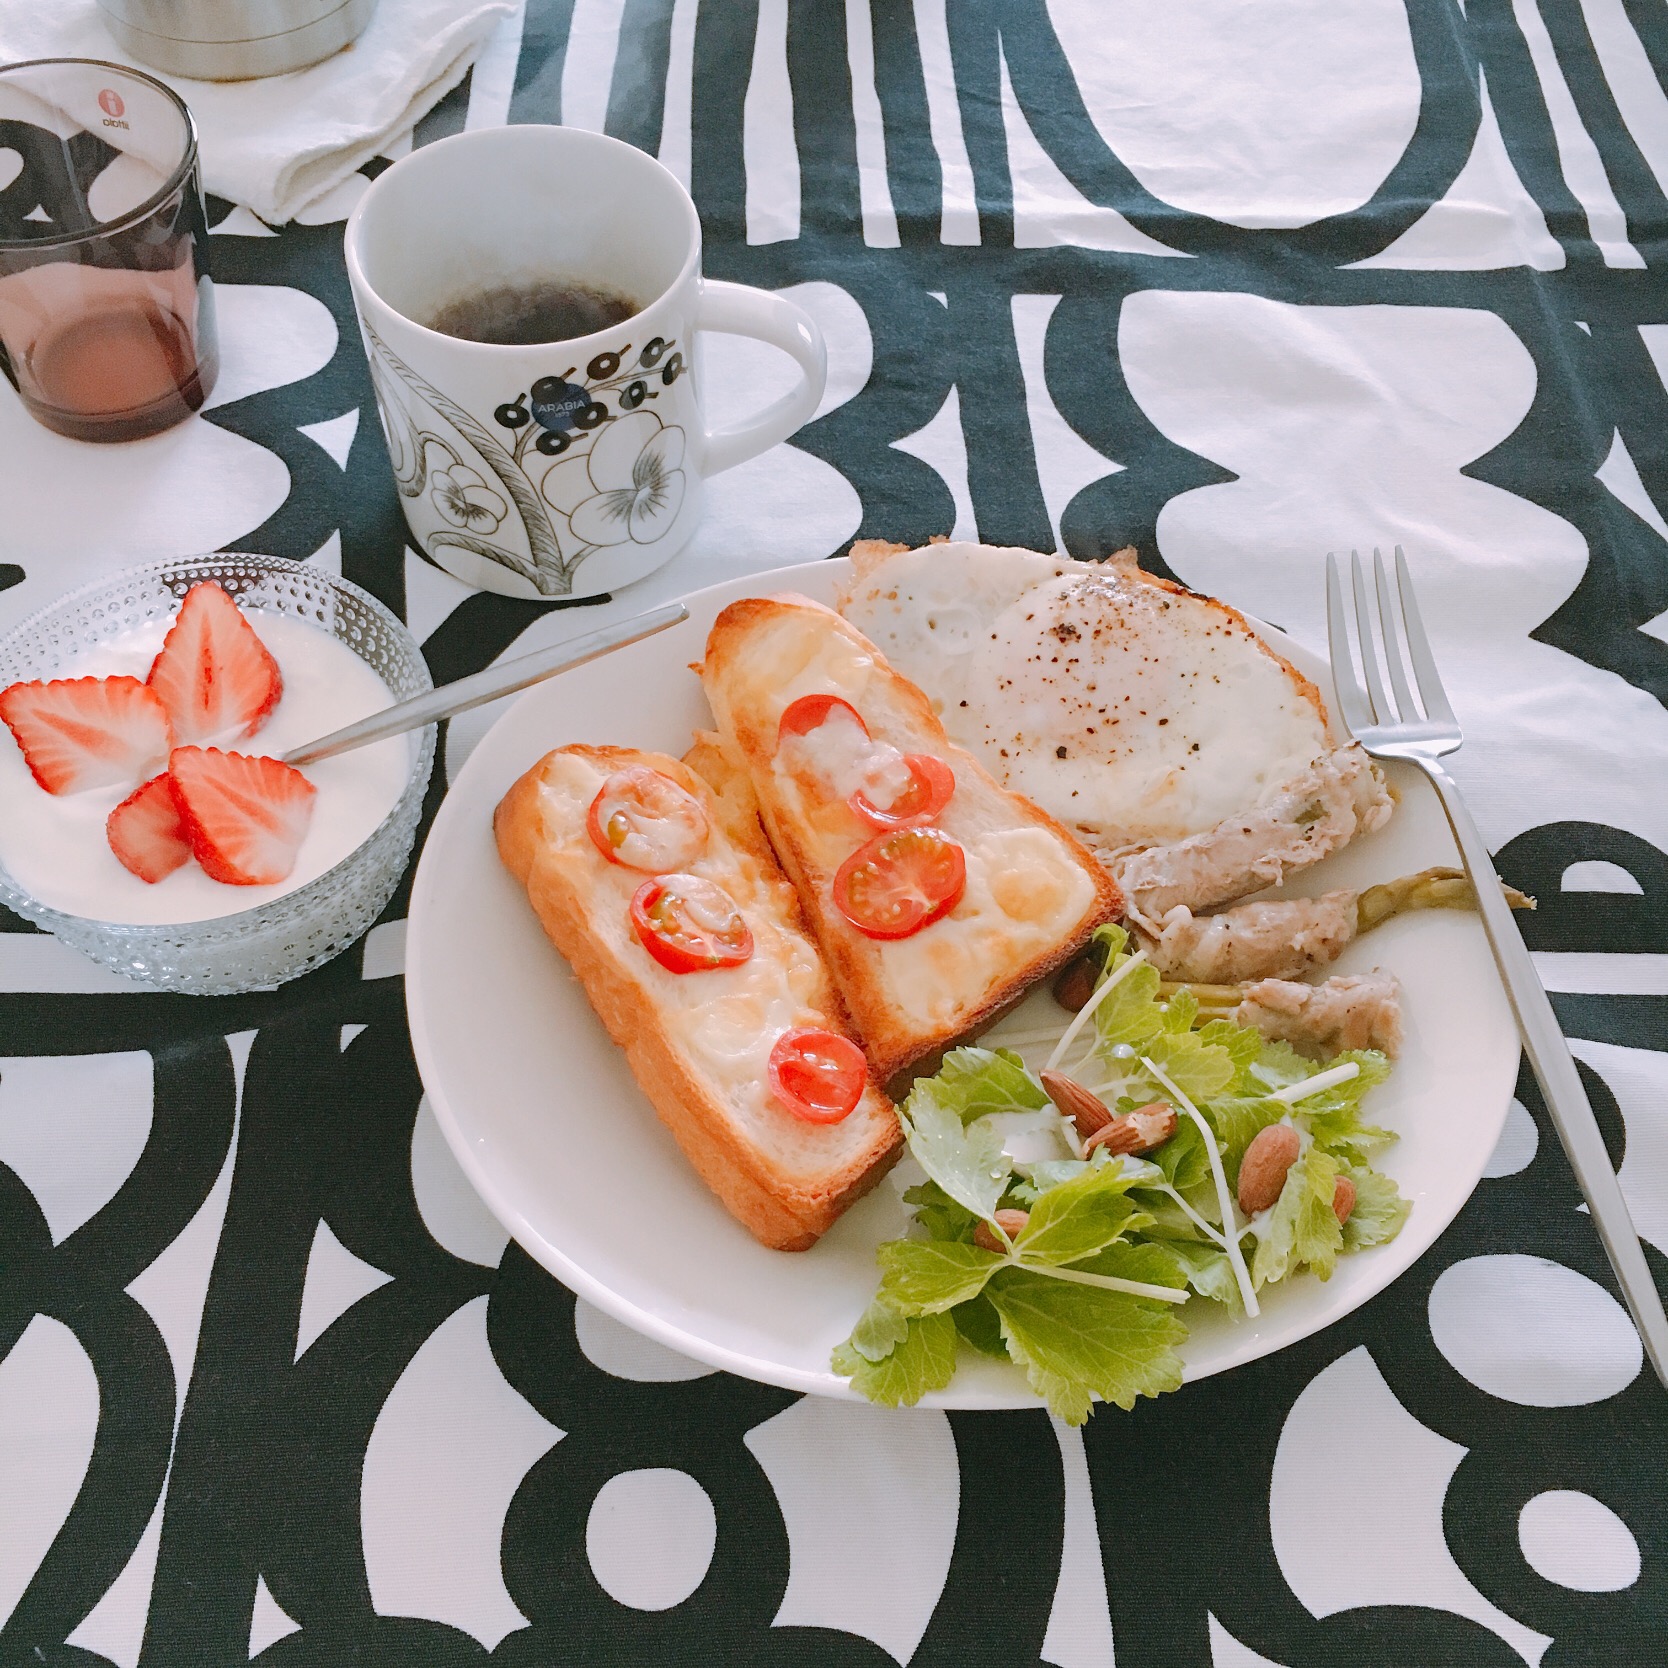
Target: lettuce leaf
(967,1162)
(1182,1159)
(1302,1228)
(1334,1116)
(1152,1264)
(1209,1272)
(1038,1178)
(1119,1217)
(938,1213)
(1278,1065)
(1131,1014)
(1180,1012)
(1076,1342)
(974,1081)
(1379,1212)
(924,1359)
(1201,1070)
(977,1322)
(879,1329)
(1078,1217)
(927,1276)
(1244,1047)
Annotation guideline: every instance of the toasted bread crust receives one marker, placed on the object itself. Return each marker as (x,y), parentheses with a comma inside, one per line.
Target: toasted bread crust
(783,1211)
(892,1040)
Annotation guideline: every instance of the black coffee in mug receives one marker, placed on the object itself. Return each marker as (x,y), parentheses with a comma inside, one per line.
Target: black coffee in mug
(524,315)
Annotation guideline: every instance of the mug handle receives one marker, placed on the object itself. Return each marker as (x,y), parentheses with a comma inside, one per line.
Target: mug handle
(741,310)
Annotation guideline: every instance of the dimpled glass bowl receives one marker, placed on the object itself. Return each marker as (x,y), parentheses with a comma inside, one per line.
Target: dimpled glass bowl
(260,948)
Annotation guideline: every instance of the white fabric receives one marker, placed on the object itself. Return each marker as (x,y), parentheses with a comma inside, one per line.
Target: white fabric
(281,143)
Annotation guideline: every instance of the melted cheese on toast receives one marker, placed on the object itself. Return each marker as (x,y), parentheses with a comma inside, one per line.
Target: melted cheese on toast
(1033,894)
(699,1043)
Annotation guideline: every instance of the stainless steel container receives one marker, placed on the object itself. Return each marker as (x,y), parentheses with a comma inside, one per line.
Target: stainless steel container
(234,40)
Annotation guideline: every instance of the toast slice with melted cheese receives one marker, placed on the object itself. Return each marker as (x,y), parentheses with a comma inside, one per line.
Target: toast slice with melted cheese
(1033,893)
(698,1043)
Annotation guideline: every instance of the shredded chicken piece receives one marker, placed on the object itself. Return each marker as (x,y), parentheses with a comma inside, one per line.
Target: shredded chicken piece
(1275,939)
(1351,1010)
(1342,794)
(1279,938)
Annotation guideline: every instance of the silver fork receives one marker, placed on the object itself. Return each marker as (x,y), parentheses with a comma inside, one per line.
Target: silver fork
(1391,724)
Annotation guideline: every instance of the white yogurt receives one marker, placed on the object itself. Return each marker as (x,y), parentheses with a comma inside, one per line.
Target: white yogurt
(54,845)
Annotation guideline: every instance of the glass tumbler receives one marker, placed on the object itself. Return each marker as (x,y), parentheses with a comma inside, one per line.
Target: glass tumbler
(106,308)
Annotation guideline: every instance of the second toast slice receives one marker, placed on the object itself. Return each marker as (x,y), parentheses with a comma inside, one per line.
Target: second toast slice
(1032,894)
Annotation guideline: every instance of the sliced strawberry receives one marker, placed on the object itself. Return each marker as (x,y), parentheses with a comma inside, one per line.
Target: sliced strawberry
(146,833)
(214,676)
(244,814)
(87,732)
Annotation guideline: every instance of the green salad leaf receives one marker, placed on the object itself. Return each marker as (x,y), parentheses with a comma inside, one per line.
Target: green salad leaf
(1201,1070)
(1302,1227)
(924,1359)
(1182,1159)
(977,1322)
(939,1214)
(1131,1013)
(1058,1304)
(1208,1272)
(973,1081)
(1334,1115)
(1074,1219)
(879,1329)
(966,1161)
(1076,1343)
(927,1276)
(1379,1212)
(1154,1264)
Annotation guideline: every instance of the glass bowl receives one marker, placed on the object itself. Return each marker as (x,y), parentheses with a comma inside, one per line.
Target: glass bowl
(284,937)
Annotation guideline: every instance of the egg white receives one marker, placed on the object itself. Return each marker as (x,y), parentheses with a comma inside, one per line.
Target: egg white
(1130,709)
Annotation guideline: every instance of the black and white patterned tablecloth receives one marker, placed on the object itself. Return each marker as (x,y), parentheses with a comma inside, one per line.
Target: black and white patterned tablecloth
(1238,283)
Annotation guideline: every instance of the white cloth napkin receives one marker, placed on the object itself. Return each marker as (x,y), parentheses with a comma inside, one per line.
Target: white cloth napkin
(280,143)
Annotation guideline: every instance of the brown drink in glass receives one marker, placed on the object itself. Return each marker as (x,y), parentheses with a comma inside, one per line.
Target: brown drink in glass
(106,308)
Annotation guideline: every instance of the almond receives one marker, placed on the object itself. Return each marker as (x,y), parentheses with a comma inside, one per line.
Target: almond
(1262,1172)
(1075,983)
(1156,1123)
(1085,1108)
(1011,1222)
(1135,1132)
(1343,1198)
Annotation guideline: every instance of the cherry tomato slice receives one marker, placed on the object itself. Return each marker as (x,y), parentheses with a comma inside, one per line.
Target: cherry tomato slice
(689,925)
(643,820)
(809,711)
(818,1075)
(931,782)
(900,882)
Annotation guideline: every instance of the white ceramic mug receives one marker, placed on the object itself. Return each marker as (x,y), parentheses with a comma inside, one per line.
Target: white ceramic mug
(573,467)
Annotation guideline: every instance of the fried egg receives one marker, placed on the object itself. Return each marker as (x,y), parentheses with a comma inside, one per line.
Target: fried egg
(1132,710)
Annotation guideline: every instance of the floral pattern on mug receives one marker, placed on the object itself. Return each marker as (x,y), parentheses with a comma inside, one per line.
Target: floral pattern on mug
(628,486)
(465,499)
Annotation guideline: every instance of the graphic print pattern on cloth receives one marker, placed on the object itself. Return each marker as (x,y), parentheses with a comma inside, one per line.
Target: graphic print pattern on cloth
(1493,179)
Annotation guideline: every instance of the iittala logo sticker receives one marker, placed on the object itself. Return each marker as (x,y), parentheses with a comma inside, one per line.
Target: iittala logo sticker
(110,102)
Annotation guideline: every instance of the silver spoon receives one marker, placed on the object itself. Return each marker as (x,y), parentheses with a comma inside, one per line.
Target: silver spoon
(481,687)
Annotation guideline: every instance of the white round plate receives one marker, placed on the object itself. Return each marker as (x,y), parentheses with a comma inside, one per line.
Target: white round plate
(545,1119)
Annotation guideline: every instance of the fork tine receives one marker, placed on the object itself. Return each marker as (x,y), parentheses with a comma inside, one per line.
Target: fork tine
(1431,692)
(1377,693)
(1352,700)
(1389,613)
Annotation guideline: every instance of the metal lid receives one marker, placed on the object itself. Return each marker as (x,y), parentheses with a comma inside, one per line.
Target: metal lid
(228,40)
(220,20)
